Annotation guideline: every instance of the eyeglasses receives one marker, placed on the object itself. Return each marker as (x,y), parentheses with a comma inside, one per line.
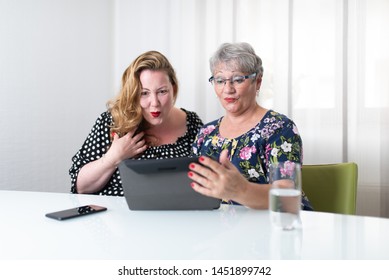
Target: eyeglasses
(234,81)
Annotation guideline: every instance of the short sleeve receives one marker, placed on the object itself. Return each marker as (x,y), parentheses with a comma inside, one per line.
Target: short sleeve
(285,143)
(94,147)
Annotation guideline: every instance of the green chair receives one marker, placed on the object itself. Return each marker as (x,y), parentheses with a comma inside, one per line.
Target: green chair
(331,187)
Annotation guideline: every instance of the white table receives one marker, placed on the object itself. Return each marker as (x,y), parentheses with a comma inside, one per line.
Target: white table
(232,232)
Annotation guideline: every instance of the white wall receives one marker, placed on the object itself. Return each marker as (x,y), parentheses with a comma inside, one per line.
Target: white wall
(55,76)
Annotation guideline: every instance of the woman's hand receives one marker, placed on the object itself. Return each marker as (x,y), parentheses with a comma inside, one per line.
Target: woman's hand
(94,175)
(220,180)
(129,146)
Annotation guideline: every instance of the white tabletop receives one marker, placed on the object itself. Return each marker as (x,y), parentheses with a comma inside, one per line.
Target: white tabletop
(232,232)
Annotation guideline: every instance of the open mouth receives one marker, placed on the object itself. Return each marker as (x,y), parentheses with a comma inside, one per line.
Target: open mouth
(155,114)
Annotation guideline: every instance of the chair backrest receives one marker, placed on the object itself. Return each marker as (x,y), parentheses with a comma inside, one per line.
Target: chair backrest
(331,187)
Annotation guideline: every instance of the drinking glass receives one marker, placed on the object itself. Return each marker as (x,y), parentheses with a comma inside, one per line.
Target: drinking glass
(285,194)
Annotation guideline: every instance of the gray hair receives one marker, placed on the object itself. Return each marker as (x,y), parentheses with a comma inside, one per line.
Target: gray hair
(239,55)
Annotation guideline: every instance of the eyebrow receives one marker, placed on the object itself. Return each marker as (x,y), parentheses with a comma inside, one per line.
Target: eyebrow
(234,74)
(162,87)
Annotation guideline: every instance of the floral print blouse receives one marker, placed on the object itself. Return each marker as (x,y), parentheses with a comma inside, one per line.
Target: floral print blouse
(274,139)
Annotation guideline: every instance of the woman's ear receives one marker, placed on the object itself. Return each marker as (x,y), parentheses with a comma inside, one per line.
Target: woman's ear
(258,82)
(175,93)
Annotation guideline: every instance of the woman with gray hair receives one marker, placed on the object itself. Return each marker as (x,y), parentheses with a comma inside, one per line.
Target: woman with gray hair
(237,149)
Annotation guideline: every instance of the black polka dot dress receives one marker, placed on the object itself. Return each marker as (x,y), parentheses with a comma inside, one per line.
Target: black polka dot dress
(98,141)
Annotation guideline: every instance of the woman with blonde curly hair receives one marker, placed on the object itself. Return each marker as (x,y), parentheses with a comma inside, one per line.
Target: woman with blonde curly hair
(141,123)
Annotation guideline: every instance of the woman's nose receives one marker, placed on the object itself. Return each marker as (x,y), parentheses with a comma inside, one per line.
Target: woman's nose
(154,99)
(228,87)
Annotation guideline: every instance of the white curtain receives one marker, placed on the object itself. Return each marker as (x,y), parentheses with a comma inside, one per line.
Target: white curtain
(326,66)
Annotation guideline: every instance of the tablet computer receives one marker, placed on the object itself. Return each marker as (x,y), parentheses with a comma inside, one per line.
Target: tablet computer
(162,184)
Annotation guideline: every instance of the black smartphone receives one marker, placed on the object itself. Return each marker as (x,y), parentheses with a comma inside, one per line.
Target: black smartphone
(75,212)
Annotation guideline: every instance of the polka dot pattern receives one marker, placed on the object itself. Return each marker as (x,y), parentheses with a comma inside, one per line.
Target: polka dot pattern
(98,141)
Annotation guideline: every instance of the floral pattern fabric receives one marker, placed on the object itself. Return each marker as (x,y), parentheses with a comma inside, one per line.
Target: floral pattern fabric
(274,139)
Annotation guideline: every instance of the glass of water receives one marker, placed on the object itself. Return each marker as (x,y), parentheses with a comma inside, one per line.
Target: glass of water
(285,194)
